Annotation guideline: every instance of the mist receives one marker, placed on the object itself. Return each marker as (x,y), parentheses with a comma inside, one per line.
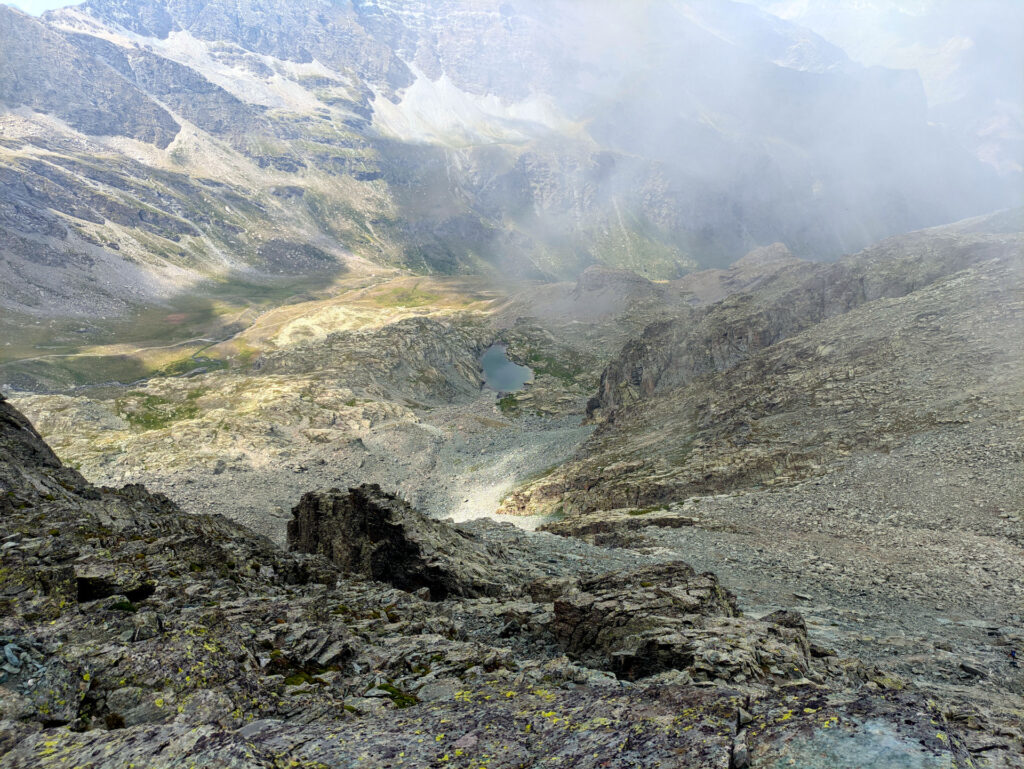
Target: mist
(522,139)
(700,130)
(669,352)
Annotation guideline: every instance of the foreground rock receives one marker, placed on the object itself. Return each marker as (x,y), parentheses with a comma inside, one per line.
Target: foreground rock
(379,536)
(137,634)
(668,617)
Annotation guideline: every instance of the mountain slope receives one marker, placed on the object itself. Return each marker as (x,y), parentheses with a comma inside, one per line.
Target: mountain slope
(40,70)
(247,142)
(776,383)
(852,429)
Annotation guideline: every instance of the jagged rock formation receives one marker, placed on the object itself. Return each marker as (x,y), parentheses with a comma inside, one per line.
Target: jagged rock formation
(237,652)
(639,623)
(379,536)
(795,296)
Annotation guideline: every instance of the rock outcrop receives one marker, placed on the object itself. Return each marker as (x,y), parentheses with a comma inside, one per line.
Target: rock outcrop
(134,633)
(377,535)
(648,621)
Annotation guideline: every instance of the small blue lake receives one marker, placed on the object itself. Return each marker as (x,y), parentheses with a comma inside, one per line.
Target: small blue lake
(501,374)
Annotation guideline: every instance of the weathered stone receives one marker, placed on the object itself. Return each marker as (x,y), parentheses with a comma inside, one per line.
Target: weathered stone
(378,535)
(641,623)
(337,669)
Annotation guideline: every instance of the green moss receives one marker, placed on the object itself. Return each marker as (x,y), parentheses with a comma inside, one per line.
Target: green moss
(298,679)
(646,510)
(126,606)
(508,404)
(400,698)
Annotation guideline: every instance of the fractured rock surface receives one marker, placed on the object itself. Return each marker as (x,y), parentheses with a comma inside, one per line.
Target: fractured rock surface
(239,653)
(381,537)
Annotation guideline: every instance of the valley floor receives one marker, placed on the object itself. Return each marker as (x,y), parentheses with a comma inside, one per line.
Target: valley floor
(454,462)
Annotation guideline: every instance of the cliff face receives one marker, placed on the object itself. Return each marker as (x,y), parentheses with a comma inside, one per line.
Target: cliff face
(131,627)
(40,70)
(794,296)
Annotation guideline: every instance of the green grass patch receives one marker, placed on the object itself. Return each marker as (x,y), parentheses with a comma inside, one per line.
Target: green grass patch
(648,510)
(544,364)
(400,296)
(153,412)
(508,404)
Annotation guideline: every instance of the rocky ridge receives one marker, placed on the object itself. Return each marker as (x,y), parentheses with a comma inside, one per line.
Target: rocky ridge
(136,632)
(775,383)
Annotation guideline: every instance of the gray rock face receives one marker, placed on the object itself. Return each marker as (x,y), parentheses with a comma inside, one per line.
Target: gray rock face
(379,536)
(663,618)
(181,88)
(40,70)
(24,455)
(794,297)
(316,29)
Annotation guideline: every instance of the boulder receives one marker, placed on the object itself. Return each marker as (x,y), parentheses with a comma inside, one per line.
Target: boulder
(667,617)
(366,531)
